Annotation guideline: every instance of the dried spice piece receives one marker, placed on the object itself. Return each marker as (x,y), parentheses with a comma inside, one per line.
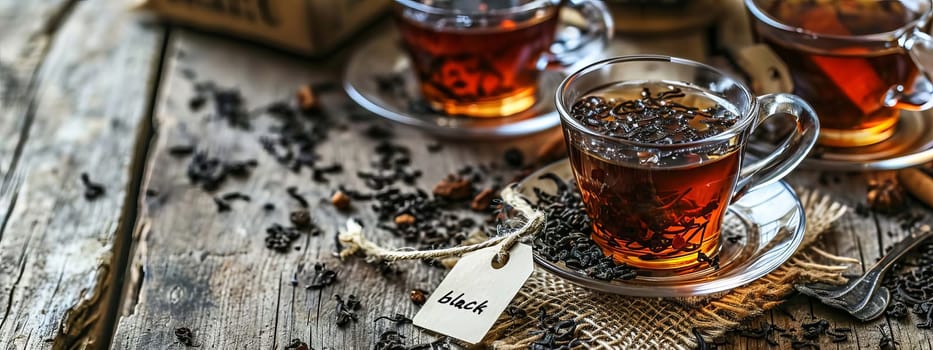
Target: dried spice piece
(404,220)
(322,277)
(186,337)
(92,190)
(418,296)
(919,183)
(181,150)
(280,238)
(886,196)
(346,310)
(297,344)
(453,187)
(307,99)
(483,201)
(301,218)
(340,200)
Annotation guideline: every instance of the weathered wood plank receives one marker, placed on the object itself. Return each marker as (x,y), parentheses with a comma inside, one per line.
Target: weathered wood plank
(856,236)
(25,30)
(86,114)
(210,271)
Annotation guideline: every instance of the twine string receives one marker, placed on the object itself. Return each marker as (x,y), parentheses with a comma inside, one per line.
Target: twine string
(534,221)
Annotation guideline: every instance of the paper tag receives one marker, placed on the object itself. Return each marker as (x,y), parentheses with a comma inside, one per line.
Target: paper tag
(473,295)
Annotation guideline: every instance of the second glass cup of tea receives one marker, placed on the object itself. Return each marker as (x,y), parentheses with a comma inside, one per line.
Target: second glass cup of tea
(482,58)
(857,62)
(657,147)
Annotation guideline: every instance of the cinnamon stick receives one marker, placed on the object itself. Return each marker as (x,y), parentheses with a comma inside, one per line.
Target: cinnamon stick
(918,183)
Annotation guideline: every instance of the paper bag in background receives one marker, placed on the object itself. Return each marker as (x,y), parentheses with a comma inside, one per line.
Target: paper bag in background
(308,27)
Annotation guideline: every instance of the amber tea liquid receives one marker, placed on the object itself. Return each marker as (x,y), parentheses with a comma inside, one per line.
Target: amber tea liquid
(480,69)
(845,85)
(646,215)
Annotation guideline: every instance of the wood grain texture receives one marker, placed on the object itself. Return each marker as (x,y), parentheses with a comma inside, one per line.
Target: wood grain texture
(86,113)
(25,30)
(210,271)
(856,236)
(75,80)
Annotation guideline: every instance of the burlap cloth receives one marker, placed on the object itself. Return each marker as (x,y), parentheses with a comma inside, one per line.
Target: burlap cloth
(608,321)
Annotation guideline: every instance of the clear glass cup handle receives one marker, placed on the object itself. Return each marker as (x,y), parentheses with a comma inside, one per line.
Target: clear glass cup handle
(920,96)
(574,45)
(790,152)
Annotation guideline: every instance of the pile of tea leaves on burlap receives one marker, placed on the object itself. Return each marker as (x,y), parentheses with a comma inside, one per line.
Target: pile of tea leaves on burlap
(604,321)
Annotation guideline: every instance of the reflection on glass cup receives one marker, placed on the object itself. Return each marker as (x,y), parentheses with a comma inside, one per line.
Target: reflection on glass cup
(657,149)
(858,63)
(483,58)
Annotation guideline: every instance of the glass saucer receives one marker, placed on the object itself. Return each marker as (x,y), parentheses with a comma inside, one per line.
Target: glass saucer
(911,144)
(384,57)
(770,221)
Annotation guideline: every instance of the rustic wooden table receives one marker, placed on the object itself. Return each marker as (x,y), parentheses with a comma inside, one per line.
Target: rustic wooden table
(88,87)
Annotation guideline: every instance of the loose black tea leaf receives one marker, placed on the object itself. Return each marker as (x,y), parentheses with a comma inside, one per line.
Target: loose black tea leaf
(297,344)
(566,237)
(186,337)
(231,196)
(293,192)
(92,190)
(514,158)
(181,150)
(886,341)
(280,238)
(555,333)
(222,205)
(346,310)
(397,319)
(322,277)
(701,343)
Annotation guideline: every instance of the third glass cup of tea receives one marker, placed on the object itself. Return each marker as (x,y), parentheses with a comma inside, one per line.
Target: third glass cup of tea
(857,62)
(482,58)
(657,149)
